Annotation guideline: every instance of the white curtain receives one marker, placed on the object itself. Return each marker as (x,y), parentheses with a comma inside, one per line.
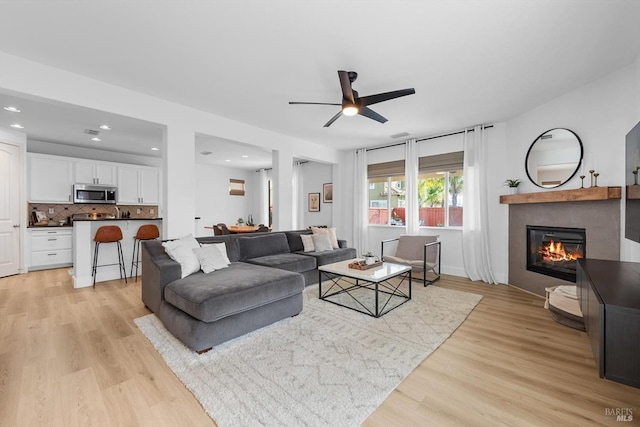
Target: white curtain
(296,185)
(263,183)
(411,191)
(360,201)
(475,229)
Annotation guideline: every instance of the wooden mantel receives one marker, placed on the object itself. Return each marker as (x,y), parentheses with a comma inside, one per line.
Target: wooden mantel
(577,195)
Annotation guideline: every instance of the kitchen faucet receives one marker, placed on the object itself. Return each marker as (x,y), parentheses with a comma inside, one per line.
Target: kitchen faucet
(117,212)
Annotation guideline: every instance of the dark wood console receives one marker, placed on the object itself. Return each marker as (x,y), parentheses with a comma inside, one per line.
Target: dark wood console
(609,295)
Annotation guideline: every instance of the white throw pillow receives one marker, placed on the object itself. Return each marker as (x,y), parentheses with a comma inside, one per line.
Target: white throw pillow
(188,241)
(331,232)
(307,242)
(321,242)
(333,238)
(181,252)
(211,257)
(222,247)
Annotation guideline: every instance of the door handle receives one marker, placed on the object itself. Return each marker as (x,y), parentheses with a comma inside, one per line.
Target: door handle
(16,226)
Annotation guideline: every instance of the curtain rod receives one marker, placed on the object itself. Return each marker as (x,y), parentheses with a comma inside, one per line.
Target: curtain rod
(427,138)
(301,162)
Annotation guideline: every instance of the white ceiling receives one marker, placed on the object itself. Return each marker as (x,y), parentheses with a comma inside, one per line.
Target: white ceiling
(470,61)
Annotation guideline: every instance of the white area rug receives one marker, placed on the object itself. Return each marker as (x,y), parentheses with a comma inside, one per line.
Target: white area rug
(328,366)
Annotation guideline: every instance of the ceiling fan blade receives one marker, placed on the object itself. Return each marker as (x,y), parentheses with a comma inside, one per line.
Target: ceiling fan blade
(333,119)
(380,97)
(345,84)
(312,103)
(368,112)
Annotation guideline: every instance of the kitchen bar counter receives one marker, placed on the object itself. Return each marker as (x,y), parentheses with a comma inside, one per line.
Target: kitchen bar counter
(118,219)
(84,231)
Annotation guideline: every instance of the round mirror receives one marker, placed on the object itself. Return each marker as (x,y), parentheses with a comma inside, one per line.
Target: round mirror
(553,158)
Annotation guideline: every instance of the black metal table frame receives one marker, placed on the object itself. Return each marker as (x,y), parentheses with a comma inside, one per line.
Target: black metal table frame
(388,289)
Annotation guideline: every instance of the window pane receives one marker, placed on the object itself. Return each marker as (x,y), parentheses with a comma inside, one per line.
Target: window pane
(378,201)
(456,185)
(397,200)
(431,193)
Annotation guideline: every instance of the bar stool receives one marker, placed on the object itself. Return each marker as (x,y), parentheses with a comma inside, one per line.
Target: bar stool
(108,234)
(145,232)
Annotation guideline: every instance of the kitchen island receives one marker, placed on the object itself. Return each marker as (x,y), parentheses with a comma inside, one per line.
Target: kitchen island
(84,231)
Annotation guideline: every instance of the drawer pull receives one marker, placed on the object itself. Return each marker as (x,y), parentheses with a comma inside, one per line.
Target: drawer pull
(52,254)
(52,240)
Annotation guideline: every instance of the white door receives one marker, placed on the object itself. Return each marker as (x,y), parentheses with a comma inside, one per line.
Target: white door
(9,209)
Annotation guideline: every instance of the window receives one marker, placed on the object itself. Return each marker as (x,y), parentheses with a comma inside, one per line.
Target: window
(387,193)
(440,185)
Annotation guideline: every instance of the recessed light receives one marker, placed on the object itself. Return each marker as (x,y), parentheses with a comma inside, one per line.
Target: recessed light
(227,160)
(155,149)
(96,139)
(17,126)
(244,156)
(12,109)
(105,127)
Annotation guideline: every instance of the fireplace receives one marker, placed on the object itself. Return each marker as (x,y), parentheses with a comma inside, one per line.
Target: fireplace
(554,251)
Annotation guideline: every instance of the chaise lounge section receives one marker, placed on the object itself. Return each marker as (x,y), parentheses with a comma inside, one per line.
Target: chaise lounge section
(262,285)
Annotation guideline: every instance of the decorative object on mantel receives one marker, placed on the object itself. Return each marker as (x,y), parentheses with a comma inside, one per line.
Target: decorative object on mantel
(635,177)
(581,181)
(513,185)
(240,221)
(554,158)
(577,195)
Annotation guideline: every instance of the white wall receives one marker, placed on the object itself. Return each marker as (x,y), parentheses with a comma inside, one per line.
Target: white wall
(213,202)
(600,113)
(314,176)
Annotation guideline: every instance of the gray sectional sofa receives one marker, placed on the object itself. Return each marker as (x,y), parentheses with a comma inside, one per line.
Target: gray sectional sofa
(263,284)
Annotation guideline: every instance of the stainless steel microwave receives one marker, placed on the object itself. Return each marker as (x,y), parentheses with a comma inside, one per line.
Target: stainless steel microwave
(94,193)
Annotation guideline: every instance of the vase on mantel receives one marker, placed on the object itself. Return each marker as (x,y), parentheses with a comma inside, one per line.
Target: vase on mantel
(513,190)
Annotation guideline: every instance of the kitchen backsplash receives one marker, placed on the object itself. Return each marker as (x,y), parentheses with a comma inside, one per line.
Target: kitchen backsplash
(62,211)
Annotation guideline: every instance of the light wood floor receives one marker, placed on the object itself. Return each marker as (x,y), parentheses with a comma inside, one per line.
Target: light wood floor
(75,358)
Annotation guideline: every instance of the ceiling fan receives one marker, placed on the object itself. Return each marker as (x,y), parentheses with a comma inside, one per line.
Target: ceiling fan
(352,104)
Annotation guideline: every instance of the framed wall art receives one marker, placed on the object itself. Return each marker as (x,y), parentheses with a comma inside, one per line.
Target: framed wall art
(327,193)
(314,202)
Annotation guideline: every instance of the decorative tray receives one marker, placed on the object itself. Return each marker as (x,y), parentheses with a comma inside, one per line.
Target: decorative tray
(360,265)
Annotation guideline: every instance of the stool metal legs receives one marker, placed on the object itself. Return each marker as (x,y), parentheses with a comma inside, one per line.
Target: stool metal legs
(135,258)
(122,269)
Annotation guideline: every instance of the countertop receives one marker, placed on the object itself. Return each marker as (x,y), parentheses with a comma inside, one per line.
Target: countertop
(119,219)
(96,220)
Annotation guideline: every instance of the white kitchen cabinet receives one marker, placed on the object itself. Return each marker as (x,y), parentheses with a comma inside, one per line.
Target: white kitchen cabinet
(50,179)
(138,185)
(94,173)
(51,248)
(149,186)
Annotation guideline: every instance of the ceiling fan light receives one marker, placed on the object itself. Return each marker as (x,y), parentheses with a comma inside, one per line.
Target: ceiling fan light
(350,110)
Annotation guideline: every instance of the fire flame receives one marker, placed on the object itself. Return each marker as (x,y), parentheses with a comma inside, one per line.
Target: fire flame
(556,252)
